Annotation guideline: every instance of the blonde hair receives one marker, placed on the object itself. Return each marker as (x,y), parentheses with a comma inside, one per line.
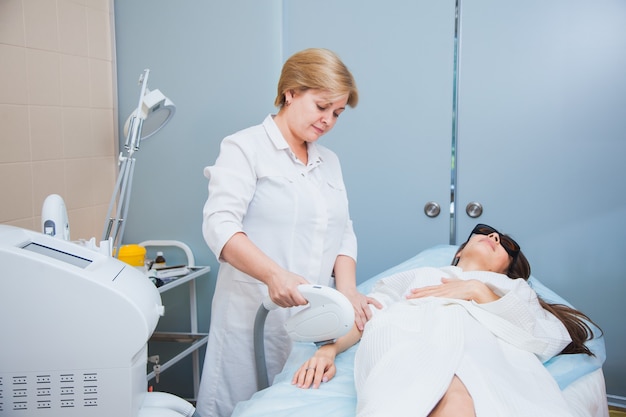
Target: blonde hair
(316,69)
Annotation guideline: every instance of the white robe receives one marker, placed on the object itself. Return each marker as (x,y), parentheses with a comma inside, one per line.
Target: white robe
(297,215)
(411,349)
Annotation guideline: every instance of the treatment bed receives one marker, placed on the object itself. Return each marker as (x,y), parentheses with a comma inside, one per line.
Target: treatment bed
(579,376)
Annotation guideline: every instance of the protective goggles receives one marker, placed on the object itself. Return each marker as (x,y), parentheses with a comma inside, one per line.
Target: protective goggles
(510,246)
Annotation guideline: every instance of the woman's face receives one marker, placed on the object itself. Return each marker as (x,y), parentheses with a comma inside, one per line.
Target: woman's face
(486,253)
(312,113)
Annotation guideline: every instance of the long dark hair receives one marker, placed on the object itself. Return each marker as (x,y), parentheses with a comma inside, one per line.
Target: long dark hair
(576,322)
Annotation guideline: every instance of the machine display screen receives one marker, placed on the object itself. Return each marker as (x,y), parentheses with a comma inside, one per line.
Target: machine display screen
(58,254)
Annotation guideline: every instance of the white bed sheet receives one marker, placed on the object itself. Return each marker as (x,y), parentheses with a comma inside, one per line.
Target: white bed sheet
(579,376)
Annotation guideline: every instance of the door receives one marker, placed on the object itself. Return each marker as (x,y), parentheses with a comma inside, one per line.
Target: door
(395,145)
(541,143)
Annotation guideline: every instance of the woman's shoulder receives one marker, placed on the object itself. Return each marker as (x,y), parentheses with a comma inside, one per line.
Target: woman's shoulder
(244,135)
(500,280)
(248,140)
(404,278)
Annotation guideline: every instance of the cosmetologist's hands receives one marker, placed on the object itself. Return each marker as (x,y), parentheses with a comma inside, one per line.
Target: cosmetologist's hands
(360,302)
(283,289)
(455,288)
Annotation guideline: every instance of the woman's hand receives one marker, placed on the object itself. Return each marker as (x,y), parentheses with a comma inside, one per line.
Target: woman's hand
(455,288)
(282,285)
(320,368)
(283,289)
(362,311)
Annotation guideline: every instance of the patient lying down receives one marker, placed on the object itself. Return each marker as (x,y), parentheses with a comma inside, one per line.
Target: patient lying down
(463,340)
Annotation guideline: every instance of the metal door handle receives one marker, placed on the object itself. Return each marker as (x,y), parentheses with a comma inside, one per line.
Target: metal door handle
(432,209)
(474,209)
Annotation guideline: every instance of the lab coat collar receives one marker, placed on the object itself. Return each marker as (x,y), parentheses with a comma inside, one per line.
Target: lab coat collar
(275,135)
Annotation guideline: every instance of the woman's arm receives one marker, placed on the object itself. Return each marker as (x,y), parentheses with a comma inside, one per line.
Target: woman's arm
(282,285)
(321,366)
(345,281)
(232,186)
(511,300)
(233,181)
(520,306)
(470,290)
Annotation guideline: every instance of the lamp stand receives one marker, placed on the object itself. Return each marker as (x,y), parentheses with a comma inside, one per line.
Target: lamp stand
(120,200)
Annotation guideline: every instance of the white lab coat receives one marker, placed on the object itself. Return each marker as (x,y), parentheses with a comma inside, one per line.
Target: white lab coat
(298,216)
(411,349)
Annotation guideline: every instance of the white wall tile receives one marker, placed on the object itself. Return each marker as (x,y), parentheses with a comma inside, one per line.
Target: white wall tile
(43,77)
(104,177)
(16,189)
(12,23)
(77,138)
(101,83)
(48,178)
(75,81)
(98,26)
(73,35)
(57,127)
(103,136)
(85,224)
(13,75)
(41,24)
(79,183)
(104,5)
(46,133)
(15,142)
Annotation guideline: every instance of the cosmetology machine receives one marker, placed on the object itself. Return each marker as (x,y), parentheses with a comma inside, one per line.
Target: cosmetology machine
(74,332)
(328,316)
(54,220)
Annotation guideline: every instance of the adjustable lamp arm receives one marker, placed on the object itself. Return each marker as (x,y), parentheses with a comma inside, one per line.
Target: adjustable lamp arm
(150,102)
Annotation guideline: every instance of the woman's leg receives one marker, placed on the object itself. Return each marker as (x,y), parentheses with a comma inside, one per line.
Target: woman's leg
(456,402)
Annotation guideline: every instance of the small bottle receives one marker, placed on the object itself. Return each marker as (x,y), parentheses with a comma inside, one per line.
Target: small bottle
(159,261)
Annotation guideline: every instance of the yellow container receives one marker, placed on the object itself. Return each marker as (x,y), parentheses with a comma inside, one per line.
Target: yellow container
(134,255)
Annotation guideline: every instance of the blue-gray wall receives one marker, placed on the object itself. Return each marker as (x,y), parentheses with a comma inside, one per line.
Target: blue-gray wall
(219,62)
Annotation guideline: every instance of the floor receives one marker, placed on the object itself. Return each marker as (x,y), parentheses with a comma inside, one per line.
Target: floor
(615,412)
